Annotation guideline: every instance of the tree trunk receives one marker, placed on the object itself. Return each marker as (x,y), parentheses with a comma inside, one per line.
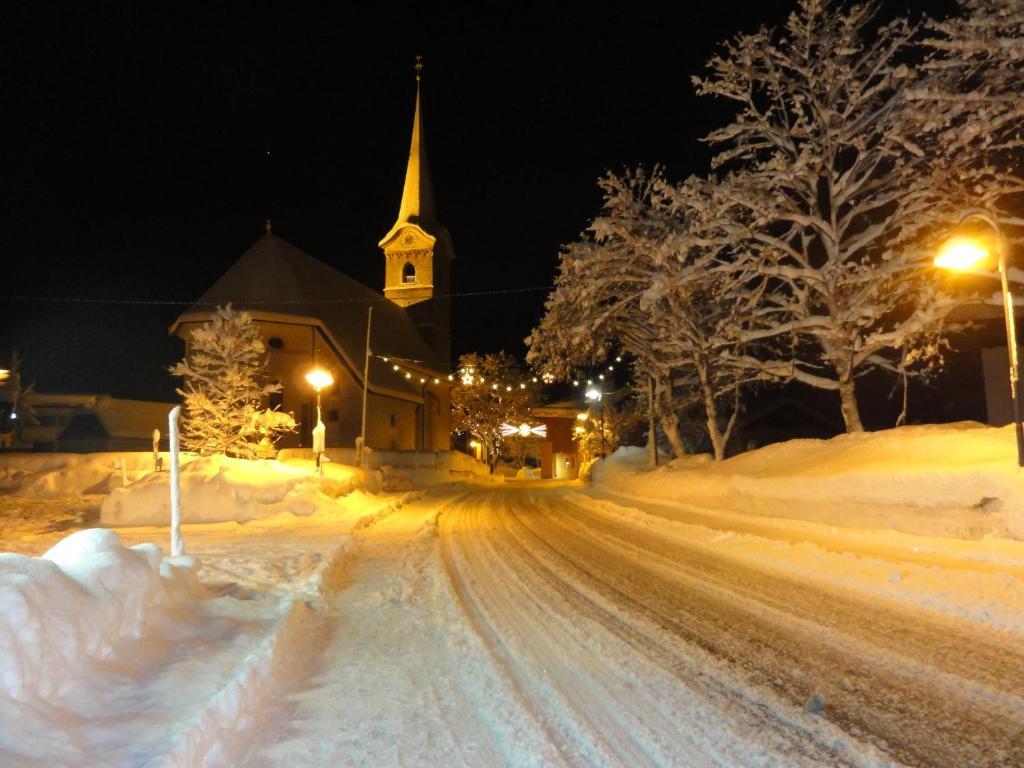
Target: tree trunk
(652,425)
(711,412)
(848,398)
(668,417)
(670,426)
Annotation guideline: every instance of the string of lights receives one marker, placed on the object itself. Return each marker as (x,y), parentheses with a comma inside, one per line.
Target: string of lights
(283,302)
(469,377)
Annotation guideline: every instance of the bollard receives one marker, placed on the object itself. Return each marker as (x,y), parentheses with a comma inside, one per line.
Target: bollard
(177,545)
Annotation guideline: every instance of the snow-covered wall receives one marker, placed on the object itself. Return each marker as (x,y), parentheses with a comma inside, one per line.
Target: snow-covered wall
(958,480)
(55,475)
(219,489)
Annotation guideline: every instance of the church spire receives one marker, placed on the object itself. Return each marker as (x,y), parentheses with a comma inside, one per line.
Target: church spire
(418,193)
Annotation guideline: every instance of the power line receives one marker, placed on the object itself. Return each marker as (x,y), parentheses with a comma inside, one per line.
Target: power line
(245,303)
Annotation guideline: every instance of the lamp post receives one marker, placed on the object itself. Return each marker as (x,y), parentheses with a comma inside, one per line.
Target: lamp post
(595,395)
(319,379)
(965,253)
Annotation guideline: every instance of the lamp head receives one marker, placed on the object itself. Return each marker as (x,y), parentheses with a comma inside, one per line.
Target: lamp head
(963,254)
(319,379)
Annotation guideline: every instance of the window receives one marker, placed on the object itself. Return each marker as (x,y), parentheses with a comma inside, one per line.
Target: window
(275,400)
(408,273)
(392,418)
(275,342)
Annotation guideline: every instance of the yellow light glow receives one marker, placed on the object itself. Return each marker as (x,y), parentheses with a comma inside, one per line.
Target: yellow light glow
(319,379)
(962,253)
(582,415)
(474,444)
(524,430)
(4,374)
(579,430)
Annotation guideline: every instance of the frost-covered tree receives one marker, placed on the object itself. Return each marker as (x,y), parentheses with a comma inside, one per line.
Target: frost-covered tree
(224,387)
(839,181)
(488,393)
(639,281)
(980,53)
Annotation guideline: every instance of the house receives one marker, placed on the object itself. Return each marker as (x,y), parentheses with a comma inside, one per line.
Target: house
(312,315)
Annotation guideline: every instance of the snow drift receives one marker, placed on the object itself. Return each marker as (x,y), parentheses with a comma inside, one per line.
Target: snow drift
(219,489)
(76,603)
(956,480)
(58,475)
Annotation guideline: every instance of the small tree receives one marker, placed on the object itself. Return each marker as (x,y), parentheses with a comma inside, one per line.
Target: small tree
(487,394)
(223,389)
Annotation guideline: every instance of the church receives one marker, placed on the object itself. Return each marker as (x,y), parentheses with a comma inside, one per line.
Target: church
(311,315)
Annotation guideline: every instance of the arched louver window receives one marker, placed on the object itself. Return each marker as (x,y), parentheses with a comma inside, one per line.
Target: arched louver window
(408,273)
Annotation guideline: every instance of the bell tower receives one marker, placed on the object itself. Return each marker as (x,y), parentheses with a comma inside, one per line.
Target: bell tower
(418,250)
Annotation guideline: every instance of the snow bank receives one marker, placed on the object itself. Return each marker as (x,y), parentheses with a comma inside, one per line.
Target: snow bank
(75,604)
(219,489)
(955,480)
(57,475)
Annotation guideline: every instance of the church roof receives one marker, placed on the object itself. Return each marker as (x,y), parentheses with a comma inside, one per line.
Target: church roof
(417,205)
(275,278)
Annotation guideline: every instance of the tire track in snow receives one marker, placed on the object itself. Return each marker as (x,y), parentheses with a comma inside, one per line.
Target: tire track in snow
(802,635)
(605,684)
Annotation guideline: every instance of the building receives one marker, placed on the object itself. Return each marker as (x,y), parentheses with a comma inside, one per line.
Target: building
(312,315)
(559,456)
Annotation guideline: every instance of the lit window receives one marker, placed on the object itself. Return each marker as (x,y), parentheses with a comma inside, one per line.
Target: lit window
(408,273)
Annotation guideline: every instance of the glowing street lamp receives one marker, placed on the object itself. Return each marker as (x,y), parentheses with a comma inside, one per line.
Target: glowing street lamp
(965,254)
(319,379)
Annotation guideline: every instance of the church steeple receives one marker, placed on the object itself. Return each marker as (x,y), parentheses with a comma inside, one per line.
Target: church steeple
(418,193)
(417,248)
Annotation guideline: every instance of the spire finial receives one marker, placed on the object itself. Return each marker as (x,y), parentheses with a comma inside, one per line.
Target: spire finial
(269,228)
(418,67)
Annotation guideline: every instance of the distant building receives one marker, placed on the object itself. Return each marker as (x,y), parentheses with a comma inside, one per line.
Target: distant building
(87,423)
(312,315)
(559,456)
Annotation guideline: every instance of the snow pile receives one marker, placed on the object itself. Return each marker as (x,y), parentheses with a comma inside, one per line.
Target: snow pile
(57,475)
(75,604)
(219,489)
(956,480)
(528,473)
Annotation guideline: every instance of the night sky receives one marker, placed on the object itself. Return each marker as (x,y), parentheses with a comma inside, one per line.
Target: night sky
(135,165)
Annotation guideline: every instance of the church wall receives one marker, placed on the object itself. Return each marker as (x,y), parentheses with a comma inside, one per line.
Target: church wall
(293,349)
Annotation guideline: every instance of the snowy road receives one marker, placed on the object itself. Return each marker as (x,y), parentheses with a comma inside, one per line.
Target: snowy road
(540,625)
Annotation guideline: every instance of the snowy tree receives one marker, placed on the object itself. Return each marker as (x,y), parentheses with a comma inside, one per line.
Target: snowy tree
(839,181)
(640,281)
(223,389)
(488,393)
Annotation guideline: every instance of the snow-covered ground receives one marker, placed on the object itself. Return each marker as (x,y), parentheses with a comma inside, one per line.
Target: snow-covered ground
(690,615)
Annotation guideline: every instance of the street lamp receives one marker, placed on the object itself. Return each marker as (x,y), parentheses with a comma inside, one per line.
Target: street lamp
(963,254)
(594,395)
(319,379)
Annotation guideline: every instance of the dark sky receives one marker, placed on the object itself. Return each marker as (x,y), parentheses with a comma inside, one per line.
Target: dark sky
(135,162)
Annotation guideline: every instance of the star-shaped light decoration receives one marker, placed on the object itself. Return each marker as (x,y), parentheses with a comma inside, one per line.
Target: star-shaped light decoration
(524,430)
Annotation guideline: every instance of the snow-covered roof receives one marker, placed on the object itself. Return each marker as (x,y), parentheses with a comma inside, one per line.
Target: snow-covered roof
(274,279)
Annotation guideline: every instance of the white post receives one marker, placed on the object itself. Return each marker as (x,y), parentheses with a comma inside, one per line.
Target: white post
(177,545)
(366,388)
(156,450)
